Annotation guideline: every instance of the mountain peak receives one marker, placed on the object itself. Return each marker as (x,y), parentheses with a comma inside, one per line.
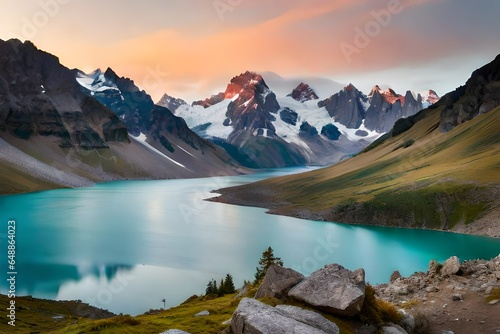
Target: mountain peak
(303,92)
(170,102)
(243,81)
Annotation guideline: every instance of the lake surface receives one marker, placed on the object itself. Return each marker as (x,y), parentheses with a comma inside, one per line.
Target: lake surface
(124,246)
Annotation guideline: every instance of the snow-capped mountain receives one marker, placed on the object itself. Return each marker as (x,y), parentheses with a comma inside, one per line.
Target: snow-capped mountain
(281,86)
(261,129)
(171,103)
(153,125)
(429,97)
(303,92)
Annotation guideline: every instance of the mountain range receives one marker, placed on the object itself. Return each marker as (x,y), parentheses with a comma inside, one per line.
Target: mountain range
(263,130)
(436,169)
(62,127)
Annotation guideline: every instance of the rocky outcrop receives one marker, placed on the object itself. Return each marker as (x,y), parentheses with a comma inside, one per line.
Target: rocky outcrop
(386,107)
(480,94)
(277,282)
(468,276)
(346,106)
(307,130)
(40,97)
(289,116)
(170,102)
(331,132)
(303,92)
(334,289)
(254,317)
(210,101)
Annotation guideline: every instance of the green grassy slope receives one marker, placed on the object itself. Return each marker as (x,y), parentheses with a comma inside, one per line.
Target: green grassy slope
(420,178)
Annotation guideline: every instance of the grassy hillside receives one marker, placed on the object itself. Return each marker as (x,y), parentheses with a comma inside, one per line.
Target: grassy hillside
(419,178)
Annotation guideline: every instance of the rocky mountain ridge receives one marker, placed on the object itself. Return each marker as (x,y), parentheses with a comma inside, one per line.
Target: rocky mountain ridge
(261,129)
(52,124)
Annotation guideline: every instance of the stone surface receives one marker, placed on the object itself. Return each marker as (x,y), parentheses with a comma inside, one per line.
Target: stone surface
(433,267)
(457,297)
(432,288)
(202,314)
(254,317)
(310,318)
(395,275)
(393,329)
(277,282)
(334,289)
(451,266)
(174,331)
(408,322)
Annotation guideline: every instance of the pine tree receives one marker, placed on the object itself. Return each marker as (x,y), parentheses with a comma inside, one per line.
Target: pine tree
(220,291)
(265,262)
(211,288)
(229,284)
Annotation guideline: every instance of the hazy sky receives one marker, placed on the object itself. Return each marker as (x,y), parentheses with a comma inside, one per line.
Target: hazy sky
(192,48)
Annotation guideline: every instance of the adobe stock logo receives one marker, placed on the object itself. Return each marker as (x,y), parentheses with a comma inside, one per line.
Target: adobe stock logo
(223,6)
(372,29)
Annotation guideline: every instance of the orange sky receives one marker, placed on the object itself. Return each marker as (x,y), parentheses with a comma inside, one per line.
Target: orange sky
(191,48)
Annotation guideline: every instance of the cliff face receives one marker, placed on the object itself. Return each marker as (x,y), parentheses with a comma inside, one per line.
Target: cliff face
(480,95)
(41,98)
(55,132)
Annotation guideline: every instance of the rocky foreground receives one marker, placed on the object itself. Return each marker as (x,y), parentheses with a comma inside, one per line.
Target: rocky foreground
(450,298)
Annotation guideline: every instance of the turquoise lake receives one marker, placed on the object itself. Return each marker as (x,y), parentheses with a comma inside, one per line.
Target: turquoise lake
(124,246)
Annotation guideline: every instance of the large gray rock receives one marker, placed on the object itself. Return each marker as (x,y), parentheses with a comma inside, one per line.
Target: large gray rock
(310,318)
(278,281)
(254,317)
(202,314)
(451,266)
(334,289)
(408,321)
(393,329)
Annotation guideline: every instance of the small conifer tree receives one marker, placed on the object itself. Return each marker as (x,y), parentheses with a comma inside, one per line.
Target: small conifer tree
(265,262)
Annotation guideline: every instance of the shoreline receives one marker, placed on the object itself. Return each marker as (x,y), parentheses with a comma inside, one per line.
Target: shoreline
(264,198)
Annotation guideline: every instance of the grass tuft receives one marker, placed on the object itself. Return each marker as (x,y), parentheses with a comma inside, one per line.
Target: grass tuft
(377,311)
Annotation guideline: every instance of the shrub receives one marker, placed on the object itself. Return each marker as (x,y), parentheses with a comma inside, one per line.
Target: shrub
(408,143)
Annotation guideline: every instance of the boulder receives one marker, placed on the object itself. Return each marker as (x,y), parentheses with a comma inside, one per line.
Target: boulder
(334,289)
(451,266)
(408,321)
(174,331)
(202,314)
(393,329)
(254,317)
(309,318)
(277,282)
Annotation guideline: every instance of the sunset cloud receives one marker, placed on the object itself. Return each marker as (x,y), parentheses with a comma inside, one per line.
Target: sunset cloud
(188,49)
